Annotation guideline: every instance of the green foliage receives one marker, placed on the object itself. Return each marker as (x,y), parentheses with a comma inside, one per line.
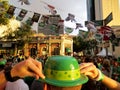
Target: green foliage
(23,32)
(3,10)
(21,35)
(79,44)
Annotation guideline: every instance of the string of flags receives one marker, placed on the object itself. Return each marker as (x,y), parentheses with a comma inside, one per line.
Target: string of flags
(24,2)
(42,20)
(36,16)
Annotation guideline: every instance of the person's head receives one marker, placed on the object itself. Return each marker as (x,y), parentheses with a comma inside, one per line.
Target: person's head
(51,87)
(63,73)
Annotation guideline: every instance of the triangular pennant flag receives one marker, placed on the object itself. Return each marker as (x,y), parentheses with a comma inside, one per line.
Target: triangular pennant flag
(78,25)
(91,26)
(29,21)
(11,10)
(70,17)
(21,15)
(41,24)
(61,22)
(2,8)
(54,27)
(68,30)
(105,38)
(50,8)
(45,20)
(35,17)
(24,2)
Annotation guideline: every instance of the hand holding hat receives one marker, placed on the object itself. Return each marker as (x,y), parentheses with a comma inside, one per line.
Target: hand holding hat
(91,71)
(29,67)
(63,71)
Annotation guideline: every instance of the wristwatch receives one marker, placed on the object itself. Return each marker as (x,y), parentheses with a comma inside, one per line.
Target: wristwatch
(7,72)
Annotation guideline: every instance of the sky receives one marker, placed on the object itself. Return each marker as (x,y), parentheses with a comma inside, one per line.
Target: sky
(63,7)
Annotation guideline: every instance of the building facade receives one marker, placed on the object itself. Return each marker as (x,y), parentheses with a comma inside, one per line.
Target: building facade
(49,45)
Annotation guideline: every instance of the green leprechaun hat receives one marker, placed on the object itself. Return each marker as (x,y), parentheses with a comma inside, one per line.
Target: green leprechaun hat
(63,71)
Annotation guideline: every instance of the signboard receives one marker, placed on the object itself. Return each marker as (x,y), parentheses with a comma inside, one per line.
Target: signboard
(108,19)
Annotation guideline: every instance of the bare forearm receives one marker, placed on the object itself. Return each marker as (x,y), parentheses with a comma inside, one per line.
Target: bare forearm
(110,83)
(2,78)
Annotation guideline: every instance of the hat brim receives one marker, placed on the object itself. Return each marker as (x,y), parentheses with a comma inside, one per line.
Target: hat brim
(83,79)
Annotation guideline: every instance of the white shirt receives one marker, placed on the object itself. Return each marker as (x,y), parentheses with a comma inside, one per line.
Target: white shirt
(17,85)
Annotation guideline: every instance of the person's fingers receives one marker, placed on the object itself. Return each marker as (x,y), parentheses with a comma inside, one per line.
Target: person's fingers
(83,65)
(27,73)
(33,67)
(39,65)
(89,69)
(86,67)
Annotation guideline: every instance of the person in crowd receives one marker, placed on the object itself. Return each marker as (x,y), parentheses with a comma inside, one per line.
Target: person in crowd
(28,67)
(17,85)
(62,73)
(31,67)
(2,62)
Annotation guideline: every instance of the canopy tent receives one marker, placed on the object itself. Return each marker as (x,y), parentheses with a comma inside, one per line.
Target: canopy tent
(103,53)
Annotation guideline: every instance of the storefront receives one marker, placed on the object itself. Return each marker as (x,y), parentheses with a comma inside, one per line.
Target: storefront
(50,45)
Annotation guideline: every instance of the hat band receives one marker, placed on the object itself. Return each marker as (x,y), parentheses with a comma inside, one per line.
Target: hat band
(62,75)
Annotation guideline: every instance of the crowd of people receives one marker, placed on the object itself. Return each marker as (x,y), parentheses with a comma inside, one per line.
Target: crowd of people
(103,73)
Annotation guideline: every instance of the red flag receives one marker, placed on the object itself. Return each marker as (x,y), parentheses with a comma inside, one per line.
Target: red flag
(105,38)
(61,22)
(52,9)
(50,6)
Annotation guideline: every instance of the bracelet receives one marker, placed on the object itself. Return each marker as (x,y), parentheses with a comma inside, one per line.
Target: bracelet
(7,72)
(100,76)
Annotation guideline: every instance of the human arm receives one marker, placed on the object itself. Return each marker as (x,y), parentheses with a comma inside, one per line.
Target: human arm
(29,67)
(92,72)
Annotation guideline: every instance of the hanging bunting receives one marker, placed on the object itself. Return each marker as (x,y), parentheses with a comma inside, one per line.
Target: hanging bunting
(2,8)
(98,37)
(45,19)
(91,26)
(106,31)
(26,2)
(10,12)
(29,21)
(50,8)
(78,25)
(70,17)
(54,27)
(35,17)
(43,22)
(21,15)
(81,33)
(61,22)
(68,30)
(112,37)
